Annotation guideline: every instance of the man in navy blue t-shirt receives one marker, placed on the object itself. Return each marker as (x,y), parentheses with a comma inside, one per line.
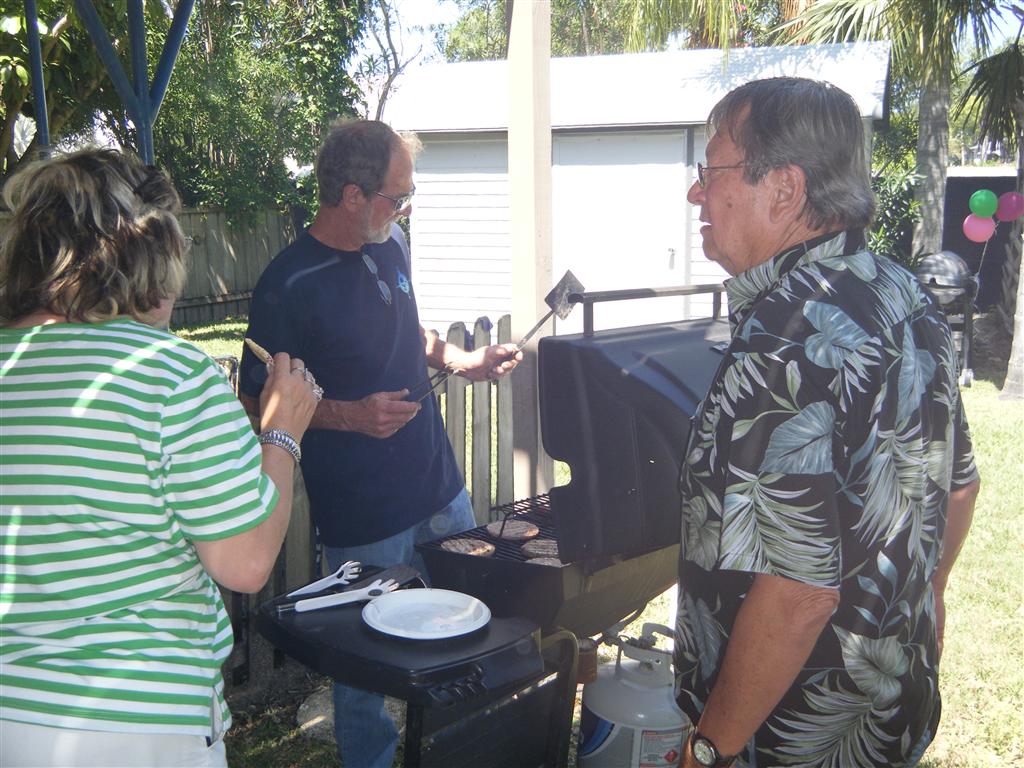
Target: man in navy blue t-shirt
(378,467)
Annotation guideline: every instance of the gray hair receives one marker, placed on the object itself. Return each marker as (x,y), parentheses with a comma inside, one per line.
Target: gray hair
(93,235)
(813,125)
(357,152)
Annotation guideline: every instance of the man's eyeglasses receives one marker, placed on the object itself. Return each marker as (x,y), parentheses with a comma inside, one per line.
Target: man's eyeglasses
(401,203)
(382,287)
(702,171)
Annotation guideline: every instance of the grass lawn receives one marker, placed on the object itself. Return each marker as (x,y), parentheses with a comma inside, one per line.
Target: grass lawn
(982,677)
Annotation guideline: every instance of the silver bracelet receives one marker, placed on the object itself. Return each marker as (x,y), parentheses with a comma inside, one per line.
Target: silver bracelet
(281,439)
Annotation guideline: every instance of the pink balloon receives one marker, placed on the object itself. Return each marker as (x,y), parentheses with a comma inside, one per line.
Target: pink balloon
(1011,205)
(978,229)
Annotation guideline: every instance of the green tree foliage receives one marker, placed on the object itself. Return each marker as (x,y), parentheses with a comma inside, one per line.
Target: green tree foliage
(479,34)
(926,36)
(76,82)
(254,83)
(991,101)
(578,28)
(892,232)
(894,179)
(702,23)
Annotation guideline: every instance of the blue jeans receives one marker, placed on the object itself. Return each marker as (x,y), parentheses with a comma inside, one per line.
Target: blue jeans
(365,733)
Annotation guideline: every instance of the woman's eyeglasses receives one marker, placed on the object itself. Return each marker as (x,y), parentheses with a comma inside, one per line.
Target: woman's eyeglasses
(401,203)
(382,287)
(702,171)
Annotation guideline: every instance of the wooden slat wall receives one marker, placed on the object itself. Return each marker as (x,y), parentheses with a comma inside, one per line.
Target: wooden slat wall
(480,480)
(225,262)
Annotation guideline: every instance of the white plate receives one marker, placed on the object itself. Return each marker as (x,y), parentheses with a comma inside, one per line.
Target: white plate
(426,614)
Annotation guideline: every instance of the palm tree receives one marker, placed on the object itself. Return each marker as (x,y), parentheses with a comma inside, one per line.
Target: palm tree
(995,98)
(706,23)
(925,35)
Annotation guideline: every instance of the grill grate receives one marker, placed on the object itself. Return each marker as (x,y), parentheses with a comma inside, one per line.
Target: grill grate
(536,510)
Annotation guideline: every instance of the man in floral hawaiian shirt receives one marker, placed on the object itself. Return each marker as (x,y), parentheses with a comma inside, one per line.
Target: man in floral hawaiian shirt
(829,481)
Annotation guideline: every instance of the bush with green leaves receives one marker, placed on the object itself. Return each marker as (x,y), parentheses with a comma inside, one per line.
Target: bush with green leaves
(892,232)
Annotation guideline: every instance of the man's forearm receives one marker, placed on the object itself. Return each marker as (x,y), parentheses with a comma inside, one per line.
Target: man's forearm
(332,414)
(775,630)
(959,514)
(439,352)
(329,414)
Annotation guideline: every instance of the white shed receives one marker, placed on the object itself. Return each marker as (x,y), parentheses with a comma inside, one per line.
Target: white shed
(628,131)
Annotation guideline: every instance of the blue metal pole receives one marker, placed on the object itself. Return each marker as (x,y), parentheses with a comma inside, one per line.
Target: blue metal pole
(105,50)
(175,37)
(140,78)
(35,56)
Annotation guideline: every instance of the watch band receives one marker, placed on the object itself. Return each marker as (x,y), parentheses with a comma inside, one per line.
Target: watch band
(706,753)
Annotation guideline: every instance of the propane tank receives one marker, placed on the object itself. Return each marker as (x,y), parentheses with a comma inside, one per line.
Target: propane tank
(629,716)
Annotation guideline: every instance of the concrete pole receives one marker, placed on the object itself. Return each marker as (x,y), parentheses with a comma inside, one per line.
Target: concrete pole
(529,164)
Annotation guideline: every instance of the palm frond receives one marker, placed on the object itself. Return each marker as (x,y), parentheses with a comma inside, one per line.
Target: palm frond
(993,96)
(651,23)
(709,23)
(924,33)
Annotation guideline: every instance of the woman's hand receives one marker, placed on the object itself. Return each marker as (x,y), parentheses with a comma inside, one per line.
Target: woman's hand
(289,397)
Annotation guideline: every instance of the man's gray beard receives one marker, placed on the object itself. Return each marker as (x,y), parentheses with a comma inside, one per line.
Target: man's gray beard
(381,236)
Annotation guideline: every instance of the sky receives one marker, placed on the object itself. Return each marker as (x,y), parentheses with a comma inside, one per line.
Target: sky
(423,13)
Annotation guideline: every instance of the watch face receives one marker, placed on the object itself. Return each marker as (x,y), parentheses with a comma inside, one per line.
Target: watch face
(704,752)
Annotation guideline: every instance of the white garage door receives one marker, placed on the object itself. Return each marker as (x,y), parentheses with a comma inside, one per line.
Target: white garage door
(461,241)
(621,220)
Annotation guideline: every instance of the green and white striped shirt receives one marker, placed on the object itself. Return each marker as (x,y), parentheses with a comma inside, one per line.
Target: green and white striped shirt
(119,445)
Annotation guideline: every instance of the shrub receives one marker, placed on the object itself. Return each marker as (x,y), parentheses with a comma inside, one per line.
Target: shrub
(891,233)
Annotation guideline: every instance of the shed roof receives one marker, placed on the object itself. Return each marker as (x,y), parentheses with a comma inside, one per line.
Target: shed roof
(633,89)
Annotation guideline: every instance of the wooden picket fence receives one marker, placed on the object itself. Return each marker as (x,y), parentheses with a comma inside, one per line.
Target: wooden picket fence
(225,261)
(478,419)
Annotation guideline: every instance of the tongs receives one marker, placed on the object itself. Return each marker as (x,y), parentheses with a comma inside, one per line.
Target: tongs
(430,384)
(339,578)
(372,590)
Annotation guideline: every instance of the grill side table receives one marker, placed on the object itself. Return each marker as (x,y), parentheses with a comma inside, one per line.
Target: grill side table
(496,697)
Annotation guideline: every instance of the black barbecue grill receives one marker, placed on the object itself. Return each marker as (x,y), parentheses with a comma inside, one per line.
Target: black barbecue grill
(615,406)
(949,280)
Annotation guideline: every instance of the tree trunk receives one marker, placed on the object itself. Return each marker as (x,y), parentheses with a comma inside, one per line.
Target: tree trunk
(1012,304)
(790,9)
(1013,385)
(932,152)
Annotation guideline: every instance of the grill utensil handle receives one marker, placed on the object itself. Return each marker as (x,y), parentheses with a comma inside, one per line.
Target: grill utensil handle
(532,332)
(376,589)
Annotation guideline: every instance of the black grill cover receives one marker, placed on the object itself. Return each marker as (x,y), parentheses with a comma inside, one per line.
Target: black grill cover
(945,275)
(615,406)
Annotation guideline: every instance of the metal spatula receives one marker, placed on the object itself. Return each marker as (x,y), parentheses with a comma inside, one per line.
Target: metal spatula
(558,300)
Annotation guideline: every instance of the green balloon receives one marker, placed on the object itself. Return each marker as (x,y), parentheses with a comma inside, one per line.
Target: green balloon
(984,203)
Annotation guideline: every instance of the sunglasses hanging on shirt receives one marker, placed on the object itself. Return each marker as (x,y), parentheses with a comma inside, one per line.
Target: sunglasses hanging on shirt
(382,287)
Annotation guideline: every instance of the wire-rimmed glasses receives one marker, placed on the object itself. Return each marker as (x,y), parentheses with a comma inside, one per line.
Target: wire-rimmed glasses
(702,171)
(401,203)
(382,287)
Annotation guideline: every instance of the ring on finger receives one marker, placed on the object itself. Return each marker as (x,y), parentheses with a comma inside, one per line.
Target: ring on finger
(318,393)
(308,376)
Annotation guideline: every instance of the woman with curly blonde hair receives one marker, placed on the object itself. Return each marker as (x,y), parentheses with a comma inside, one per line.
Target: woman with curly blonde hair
(130,478)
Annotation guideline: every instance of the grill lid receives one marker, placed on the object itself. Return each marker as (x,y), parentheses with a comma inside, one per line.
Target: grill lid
(945,275)
(615,406)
